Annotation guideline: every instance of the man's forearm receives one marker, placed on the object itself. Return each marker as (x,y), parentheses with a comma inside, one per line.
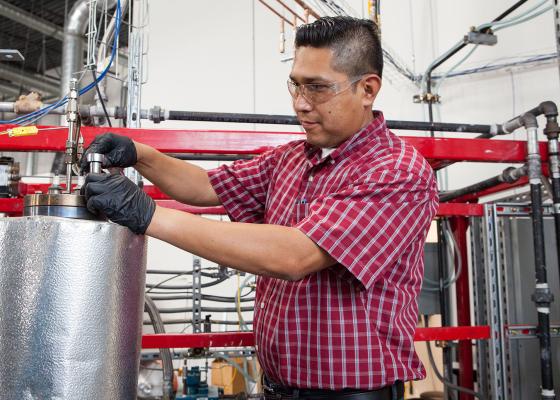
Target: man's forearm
(261,249)
(180,180)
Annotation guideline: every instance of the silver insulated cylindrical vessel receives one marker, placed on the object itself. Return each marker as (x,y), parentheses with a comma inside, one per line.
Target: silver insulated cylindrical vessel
(71,308)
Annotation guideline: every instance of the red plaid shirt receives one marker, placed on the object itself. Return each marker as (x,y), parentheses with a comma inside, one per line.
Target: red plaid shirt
(369,204)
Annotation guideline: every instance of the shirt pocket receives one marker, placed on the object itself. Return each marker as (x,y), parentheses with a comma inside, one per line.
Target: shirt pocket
(300,212)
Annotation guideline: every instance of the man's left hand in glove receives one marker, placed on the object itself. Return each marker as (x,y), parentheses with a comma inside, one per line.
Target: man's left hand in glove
(120,200)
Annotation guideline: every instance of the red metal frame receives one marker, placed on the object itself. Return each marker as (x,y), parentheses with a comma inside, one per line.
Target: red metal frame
(436,150)
(440,152)
(14,206)
(459,226)
(240,339)
(250,142)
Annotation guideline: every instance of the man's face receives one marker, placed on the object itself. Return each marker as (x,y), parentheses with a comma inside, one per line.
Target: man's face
(329,123)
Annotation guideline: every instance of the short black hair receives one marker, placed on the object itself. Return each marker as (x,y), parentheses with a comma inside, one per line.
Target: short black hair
(355,43)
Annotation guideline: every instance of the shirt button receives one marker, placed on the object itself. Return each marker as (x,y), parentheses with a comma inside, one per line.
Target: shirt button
(332,161)
(262,305)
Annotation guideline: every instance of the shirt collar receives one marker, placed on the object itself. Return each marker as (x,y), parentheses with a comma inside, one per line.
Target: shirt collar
(364,135)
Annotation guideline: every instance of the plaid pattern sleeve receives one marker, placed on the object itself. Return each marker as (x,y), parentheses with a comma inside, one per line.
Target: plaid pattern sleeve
(242,187)
(370,224)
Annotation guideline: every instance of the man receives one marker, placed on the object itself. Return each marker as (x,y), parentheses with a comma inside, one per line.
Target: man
(334,225)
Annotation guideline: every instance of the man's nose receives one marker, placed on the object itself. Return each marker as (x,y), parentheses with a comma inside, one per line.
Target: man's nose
(301,103)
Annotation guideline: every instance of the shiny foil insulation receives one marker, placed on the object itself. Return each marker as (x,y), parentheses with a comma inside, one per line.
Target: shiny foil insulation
(71,308)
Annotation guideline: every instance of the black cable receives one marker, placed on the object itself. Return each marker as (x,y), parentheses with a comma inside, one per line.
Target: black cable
(101,97)
(170,272)
(207,309)
(165,353)
(179,287)
(152,286)
(220,299)
(438,374)
(172,292)
(189,321)
(242,297)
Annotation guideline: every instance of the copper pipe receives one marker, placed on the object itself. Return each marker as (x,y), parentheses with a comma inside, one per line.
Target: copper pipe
(303,5)
(282,45)
(276,12)
(290,10)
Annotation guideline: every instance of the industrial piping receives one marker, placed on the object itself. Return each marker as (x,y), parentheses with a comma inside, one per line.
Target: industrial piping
(157,114)
(430,100)
(72,45)
(159,327)
(551,130)
(509,175)
(542,296)
(451,53)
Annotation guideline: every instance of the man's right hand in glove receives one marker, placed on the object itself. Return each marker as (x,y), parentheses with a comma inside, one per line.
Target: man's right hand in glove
(181,181)
(120,151)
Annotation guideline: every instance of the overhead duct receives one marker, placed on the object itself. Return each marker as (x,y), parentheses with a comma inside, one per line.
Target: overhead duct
(72,45)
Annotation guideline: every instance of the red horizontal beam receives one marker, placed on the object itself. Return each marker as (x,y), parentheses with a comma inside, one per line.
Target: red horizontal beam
(240,339)
(15,205)
(253,142)
(194,340)
(11,206)
(452,333)
(460,209)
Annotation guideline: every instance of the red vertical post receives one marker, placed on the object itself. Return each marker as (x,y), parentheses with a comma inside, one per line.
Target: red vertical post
(459,226)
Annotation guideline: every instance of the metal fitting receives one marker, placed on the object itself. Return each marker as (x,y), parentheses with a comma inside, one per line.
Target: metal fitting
(95,161)
(542,297)
(426,98)
(157,114)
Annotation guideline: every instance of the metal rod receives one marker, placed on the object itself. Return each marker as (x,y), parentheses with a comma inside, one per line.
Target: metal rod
(73,125)
(271,119)
(542,296)
(311,11)
(459,225)
(492,130)
(276,12)
(290,10)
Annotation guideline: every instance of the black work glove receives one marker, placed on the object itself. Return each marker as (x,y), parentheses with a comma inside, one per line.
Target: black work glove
(120,200)
(119,151)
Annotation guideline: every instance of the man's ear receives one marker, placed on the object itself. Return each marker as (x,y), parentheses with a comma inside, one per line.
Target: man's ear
(372,85)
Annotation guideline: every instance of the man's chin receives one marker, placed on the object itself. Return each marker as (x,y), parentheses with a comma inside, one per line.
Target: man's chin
(315,140)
